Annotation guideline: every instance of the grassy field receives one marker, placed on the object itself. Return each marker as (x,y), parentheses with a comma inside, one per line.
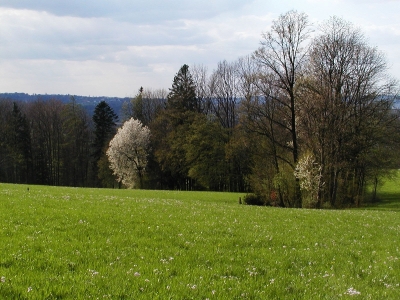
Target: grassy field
(388,194)
(71,243)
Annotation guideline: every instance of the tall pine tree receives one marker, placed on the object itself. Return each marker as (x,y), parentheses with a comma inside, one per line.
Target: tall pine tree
(170,130)
(182,100)
(105,120)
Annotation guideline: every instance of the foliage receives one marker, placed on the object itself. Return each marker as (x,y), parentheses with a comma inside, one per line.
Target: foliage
(46,121)
(308,171)
(205,154)
(284,185)
(104,119)
(346,111)
(182,95)
(137,106)
(250,125)
(127,152)
(253,199)
(171,129)
(18,144)
(105,174)
(281,58)
(76,150)
(114,244)
(334,102)
(168,143)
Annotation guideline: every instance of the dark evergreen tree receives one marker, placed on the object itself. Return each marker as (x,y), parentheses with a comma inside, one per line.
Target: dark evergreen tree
(182,96)
(19,144)
(137,106)
(15,144)
(171,128)
(105,120)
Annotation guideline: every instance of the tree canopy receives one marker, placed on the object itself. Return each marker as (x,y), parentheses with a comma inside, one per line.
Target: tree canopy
(306,120)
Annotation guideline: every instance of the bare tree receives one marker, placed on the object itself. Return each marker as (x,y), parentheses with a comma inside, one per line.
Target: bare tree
(153,101)
(203,93)
(47,140)
(346,105)
(145,105)
(223,86)
(247,71)
(76,146)
(283,53)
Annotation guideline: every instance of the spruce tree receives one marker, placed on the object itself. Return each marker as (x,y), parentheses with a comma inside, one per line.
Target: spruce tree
(104,119)
(182,96)
(171,128)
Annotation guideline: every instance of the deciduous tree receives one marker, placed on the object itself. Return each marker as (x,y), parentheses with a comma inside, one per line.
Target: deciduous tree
(47,140)
(283,54)
(76,146)
(128,152)
(346,109)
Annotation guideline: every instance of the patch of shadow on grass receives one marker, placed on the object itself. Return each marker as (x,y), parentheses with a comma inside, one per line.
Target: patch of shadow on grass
(385,201)
(6,264)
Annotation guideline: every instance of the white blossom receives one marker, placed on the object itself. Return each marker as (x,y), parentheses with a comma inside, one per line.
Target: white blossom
(309,173)
(127,152)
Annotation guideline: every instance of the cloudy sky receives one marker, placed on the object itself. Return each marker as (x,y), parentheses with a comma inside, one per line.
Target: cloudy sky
(112,47)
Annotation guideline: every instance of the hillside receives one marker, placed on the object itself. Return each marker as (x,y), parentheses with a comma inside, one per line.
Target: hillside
(88,102)
(76,243)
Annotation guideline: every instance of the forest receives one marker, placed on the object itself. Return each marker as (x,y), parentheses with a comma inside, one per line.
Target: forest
(306,120)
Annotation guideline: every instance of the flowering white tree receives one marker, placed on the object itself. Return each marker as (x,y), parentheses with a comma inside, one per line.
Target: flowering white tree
(127,152)
(309,172)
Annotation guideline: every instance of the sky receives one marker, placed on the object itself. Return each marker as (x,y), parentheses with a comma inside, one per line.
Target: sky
(113,47)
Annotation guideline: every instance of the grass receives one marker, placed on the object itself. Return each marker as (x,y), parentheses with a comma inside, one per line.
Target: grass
(388,194)
(70,243)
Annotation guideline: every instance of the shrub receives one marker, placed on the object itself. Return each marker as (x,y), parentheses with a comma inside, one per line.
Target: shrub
(253,199)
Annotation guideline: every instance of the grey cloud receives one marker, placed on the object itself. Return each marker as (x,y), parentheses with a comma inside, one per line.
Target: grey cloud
(88,43)
(137,11)
(40,35)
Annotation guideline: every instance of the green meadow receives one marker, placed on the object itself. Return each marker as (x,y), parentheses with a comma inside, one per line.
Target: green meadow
(74,243)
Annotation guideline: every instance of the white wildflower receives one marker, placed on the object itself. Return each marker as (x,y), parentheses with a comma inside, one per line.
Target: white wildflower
(93,272)
(351,291)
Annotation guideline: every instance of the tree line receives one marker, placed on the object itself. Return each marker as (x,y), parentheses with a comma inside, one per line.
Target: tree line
(306,120)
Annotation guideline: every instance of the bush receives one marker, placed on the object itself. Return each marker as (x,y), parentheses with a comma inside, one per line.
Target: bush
(253,199)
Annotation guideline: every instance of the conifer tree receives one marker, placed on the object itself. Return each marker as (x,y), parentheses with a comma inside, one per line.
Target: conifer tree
(182,95)
(19,144)
(171,129)
(104,119)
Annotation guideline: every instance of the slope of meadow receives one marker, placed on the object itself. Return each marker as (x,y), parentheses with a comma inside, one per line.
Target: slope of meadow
(70,243)
(388,194)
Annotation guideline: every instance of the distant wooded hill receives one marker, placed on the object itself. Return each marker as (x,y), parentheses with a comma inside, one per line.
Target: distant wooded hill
(88,102)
